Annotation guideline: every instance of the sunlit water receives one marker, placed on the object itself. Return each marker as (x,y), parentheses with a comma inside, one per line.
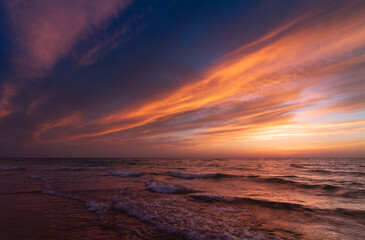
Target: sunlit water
(182,198)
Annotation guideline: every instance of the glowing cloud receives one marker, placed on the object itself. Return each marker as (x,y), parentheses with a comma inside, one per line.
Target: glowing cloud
(276,91)
(258,87)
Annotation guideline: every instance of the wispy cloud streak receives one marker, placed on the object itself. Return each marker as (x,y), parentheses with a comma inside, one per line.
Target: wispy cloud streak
(45,31)
(255,88)
(293,87)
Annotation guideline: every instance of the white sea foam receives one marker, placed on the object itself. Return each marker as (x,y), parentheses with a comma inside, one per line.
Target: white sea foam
(64,195)
(47,185)
(36,177)
(176,215)
(47,188)
(168,188)
(99,207)
(50,192)
(127,174)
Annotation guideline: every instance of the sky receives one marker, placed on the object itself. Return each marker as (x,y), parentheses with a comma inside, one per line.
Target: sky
(129,78)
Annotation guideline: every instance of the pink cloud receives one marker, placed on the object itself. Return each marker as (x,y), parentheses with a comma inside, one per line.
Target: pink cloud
(46,30)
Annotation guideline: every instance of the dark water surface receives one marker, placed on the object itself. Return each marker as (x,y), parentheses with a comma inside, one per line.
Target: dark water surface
(182,199)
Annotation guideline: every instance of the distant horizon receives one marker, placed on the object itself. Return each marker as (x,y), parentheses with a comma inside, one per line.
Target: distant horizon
(217,158)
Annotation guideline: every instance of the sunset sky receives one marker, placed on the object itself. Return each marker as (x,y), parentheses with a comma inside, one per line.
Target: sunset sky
(124,78)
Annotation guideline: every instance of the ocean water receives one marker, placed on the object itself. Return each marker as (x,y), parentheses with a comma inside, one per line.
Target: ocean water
(182,198)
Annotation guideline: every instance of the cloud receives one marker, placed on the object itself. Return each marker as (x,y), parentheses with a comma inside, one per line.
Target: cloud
(281,69)
(45,31)
(310,65)
(7,92)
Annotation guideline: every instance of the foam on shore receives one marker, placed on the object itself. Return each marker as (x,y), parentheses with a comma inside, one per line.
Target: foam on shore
(160,187)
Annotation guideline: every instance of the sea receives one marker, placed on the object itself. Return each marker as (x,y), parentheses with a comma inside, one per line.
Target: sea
(157,198)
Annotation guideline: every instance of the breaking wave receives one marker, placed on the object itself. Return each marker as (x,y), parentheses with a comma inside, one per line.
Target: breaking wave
(48,190)
(322,171)
(176,215)
(264,203)
(282,181)
(98,207)
(168,188)
(47,184)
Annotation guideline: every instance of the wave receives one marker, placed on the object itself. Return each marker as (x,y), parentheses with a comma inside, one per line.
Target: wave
(57,169)
(278,205)
(275,205)
(253,176)
(354,194)
(322,171)
(269,204)
(357,173)
(168,188)
(212,197)
(352,213)
(201,175)
(328,187)
(98,207)
(304,165)
(297,165)
(47,185)
(127,174)
(183,219)
(48,190)
(66,169)
(20,192)
(12,169)
(290,176)
(76,169)
(278,180)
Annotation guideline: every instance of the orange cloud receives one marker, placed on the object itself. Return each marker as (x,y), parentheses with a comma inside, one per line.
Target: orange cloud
(256,89)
